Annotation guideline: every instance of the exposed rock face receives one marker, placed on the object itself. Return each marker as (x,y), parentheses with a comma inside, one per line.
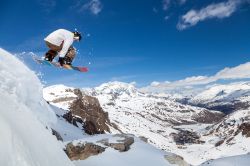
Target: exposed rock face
(225,107)
(58,136)
(69,117)
(144,139)
(82,151)
(219,143)
(96,121)
(122,145)
(176,160)
(231,126)
(245,128)
(208,117)
(186,137)
(91,128)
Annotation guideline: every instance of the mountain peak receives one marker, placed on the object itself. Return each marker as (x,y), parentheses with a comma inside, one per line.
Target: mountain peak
(117,88)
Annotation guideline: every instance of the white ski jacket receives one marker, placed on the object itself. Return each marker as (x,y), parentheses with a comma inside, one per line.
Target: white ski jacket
(61,36)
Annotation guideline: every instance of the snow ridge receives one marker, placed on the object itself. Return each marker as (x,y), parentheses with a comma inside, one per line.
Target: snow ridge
(24,115)
(227,93)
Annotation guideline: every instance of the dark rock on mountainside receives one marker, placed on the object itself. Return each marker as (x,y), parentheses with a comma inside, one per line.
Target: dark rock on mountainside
(83,151)
(95,120)
(228,128)
(245,129)
(224,106)
(121,145)
(208,117)
(57,135)
(75,120)
(186,137)
(176,160)
(219,143)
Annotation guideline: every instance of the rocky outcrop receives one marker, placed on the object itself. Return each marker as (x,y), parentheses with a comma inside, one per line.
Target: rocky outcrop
(235,124)
(219,143)
(225,107)
(186,137)
(176,160)
(144,139)
(57,135)
(208,117)
(95,120)
(83,151)
(245,129)
(75,120)
(121,145)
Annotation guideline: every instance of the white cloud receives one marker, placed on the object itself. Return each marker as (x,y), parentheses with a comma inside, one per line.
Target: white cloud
(155,83)
(235,73)
(94,6)
(238,72)
(166,4)
(218,10)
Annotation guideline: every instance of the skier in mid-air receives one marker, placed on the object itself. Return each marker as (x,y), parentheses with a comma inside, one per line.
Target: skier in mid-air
(60,42)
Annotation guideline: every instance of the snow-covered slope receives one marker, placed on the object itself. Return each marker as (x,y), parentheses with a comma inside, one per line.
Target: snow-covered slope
(153,117)
(231,135)
(227,98)
(146,115)
(60,95)
(140,153)
(24,115)
(240,160)
(157,118)
(227,92)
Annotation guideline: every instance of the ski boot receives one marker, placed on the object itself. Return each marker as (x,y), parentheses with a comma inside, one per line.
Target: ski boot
(50,55)
(68,60)
(61,60)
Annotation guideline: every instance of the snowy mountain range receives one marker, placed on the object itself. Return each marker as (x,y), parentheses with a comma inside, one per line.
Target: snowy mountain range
(118,124)
(166,123)
(226,98)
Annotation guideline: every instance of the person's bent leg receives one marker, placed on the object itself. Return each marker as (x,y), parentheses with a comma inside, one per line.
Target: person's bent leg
(69,57)
(52,53)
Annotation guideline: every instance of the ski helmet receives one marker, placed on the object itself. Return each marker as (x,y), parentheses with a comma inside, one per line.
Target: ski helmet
(77,34)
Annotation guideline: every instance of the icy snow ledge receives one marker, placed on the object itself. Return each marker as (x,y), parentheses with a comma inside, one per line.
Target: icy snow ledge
(24,140)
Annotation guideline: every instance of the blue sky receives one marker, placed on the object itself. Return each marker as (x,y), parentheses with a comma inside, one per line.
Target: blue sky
(134,40)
